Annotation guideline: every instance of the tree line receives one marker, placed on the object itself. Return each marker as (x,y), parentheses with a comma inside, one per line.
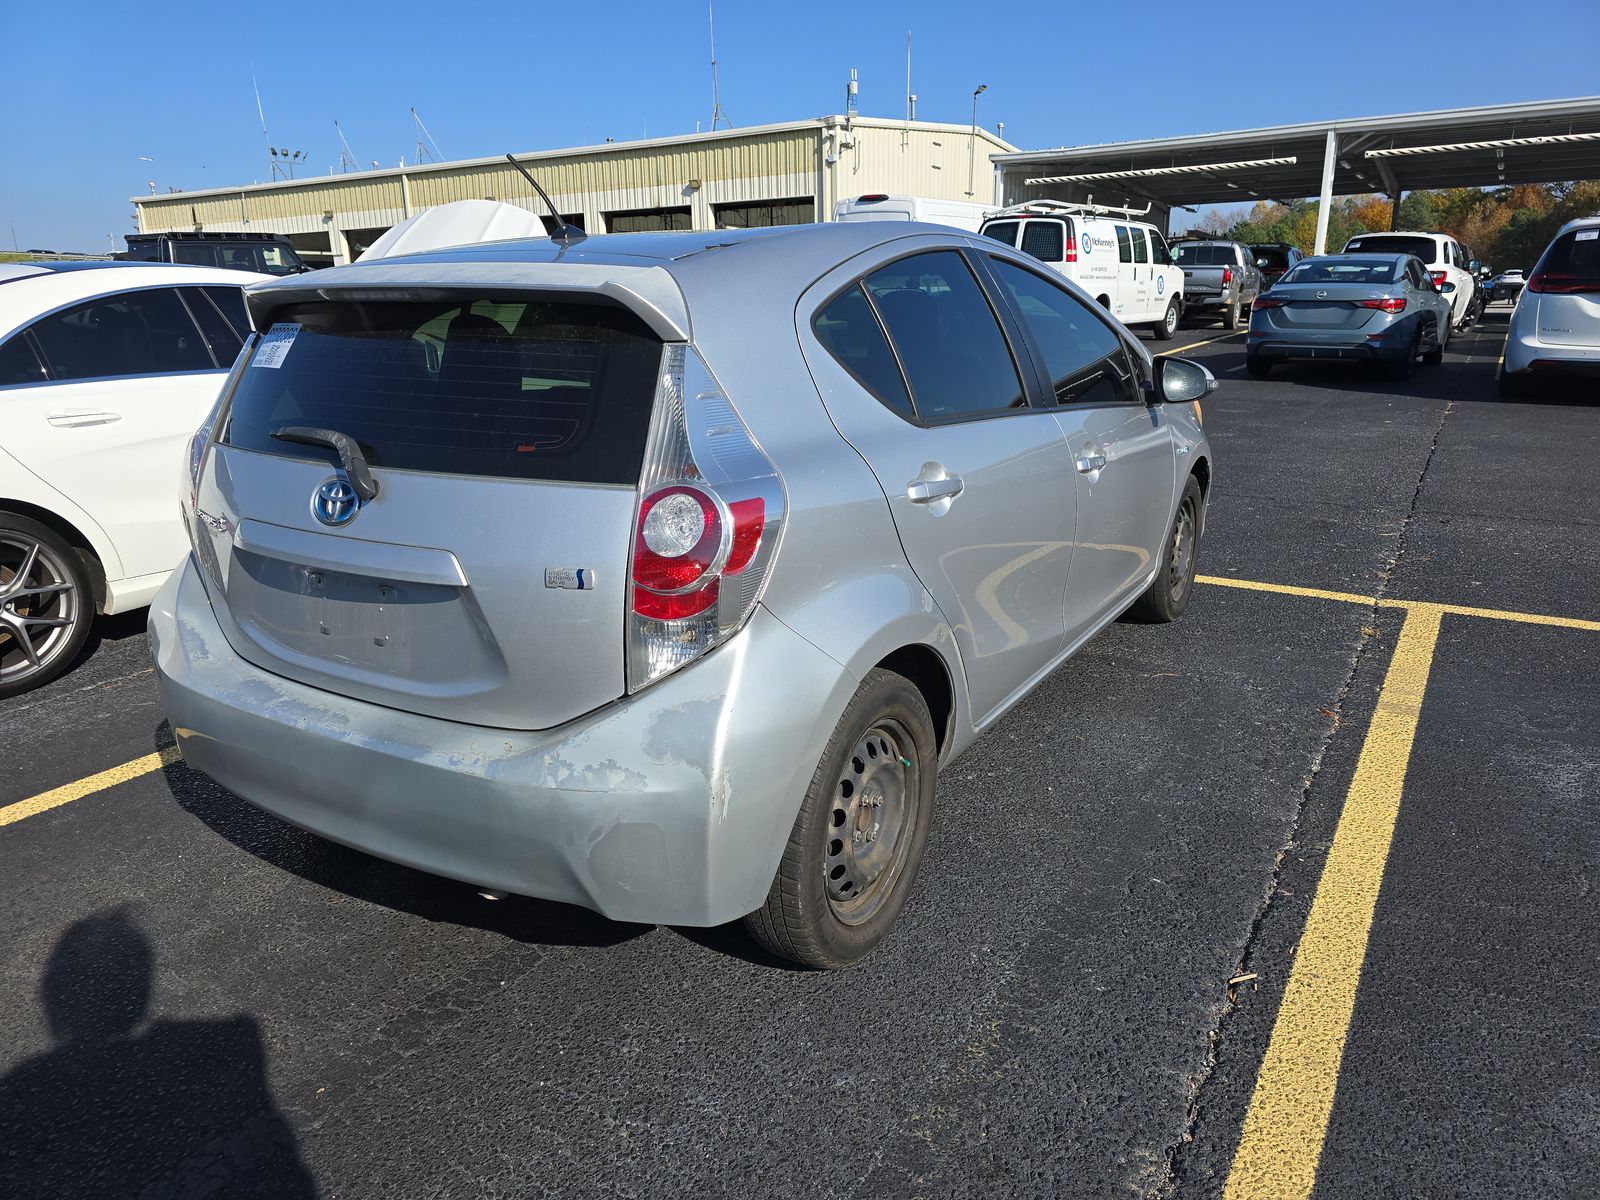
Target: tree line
(1503,227)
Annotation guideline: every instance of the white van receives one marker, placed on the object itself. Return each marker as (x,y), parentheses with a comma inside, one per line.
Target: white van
(879,206)
(1122,262)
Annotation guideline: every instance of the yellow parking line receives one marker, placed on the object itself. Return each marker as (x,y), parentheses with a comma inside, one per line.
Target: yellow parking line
(1286,589)
(67,793)
(1287,1119)
(1192,345)
(1459,610)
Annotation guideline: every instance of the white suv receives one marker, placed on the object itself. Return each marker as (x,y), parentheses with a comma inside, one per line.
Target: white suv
(1449,263)
(1555,328)
(1123,263)
(106,369)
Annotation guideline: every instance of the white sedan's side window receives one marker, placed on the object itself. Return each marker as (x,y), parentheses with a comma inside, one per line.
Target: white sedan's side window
(132,333)
(18,362)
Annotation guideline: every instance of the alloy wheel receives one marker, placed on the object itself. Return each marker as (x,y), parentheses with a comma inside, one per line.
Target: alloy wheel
(869,828)
(39,607)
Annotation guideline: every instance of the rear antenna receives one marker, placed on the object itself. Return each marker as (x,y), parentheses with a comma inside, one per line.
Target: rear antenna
(565,234)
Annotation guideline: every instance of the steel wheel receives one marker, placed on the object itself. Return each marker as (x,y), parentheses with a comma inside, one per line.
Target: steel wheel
(1180,566)
(41,606)
(874,807)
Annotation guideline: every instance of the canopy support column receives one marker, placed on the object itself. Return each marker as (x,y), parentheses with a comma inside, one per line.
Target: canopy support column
(1330,160)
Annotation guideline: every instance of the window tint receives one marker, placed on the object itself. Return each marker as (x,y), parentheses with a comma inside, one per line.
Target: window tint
(231,303)
(1158,250)
(218,330)
(1124,244)
(465,386)
(849,330)
(1002,231)
(949,342)
(1077,346)
(18,363)
(1141,250)
(136,333)
(1044,240)
(196,254)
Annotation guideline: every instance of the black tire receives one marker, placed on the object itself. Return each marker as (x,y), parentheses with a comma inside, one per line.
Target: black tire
(1435,355)
(45,617)
(1230,319)
(1165,328)
(816,913)
(1168,594)
(1257,367)
(1400,369)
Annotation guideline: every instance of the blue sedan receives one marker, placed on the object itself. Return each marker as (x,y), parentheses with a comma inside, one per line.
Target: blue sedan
(1377,308)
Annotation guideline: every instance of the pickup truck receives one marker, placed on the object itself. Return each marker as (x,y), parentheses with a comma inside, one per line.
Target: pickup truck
(1220,280)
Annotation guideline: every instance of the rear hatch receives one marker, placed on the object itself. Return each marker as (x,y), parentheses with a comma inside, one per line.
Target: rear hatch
(486,581)
(1566,289)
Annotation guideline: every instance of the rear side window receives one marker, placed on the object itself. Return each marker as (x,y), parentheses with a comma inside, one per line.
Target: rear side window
(219,331)
(230,302)
(955,357)
(1124,244)
(486,386)
(196,254)
(18,363)
(135,333)
(1044,240)
(1086,361)
(849,329)
(1002,231)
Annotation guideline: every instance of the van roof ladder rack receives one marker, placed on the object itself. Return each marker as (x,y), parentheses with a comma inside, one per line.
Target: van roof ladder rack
(1055,208)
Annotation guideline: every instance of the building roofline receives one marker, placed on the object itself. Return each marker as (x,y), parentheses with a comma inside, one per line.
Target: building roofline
(1441,117)
(413,170)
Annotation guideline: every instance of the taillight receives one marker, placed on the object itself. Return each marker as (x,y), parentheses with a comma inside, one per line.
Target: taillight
(1438,277)
(1395,305)
(1261,302)
(1227,275)
(711,507)
(1541,281)
(1069,252)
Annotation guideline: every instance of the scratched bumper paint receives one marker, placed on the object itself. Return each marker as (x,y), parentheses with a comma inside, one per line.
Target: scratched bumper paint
(659,808)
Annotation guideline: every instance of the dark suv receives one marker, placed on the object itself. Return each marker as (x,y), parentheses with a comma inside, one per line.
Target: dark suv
(1273,259)
(264,253)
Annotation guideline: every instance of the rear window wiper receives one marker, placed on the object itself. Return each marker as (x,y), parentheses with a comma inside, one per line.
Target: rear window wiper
(350,457)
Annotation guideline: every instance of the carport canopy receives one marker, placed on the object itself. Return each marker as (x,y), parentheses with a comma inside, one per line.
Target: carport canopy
(1542,141)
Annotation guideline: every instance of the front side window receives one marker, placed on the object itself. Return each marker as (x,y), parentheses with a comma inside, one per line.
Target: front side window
(1159,253)
(1085,359)
(948,339)
(849,330)
(1044,240)
(135,333)
(1124,244)
(465,385)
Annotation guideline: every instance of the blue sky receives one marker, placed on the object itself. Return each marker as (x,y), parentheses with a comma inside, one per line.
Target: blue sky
(99,88)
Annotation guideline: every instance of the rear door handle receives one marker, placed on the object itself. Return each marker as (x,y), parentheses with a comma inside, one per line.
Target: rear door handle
(1091,462)
(926,491)
(72,420)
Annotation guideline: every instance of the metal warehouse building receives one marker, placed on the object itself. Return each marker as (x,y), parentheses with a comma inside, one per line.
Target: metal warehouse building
(760,175)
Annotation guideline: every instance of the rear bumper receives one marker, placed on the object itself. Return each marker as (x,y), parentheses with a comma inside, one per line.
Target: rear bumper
(1525,352)
(1350,345)
(672,806)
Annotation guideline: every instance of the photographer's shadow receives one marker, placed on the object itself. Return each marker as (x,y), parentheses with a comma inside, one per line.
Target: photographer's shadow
(124,1105)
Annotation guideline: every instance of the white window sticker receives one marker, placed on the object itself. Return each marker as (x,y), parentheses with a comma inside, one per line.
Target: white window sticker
(275,345)
(1586,235)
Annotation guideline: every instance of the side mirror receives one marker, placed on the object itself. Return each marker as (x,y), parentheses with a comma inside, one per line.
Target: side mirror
(1261,262)
(1180,380)
(1474,265)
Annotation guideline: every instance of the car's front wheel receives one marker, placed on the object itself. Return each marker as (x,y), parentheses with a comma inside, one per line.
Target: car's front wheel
(1168,594)
(46,604)
(855,848)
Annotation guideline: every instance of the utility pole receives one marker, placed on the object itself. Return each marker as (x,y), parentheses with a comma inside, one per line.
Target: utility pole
(972,148)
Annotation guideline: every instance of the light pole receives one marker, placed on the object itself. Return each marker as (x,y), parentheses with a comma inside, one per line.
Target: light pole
(972,147)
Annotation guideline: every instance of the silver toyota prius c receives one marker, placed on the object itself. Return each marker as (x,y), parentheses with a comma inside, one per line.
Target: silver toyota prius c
(661,573)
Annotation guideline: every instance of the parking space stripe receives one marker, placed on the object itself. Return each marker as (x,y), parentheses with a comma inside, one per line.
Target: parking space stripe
(67,793)
(1192,345)
(1459,610)
(1287,1120)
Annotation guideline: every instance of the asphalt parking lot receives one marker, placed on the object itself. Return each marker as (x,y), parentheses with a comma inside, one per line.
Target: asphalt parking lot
(1374,812)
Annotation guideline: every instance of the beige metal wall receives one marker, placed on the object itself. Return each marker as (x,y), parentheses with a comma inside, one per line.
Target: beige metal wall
(824,160)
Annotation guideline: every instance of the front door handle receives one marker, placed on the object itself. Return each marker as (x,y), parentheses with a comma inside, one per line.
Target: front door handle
(72,420)
(1091,462)
(926,491)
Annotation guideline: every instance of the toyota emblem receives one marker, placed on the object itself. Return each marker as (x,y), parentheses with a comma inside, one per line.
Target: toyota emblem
(335,502)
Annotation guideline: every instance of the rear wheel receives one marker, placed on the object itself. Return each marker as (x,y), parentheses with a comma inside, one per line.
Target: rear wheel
(1168,324)
(1400,369)
(855,848)
(1435,353)
(1231,320)
(1257,367)
(1168,594)
(46,604)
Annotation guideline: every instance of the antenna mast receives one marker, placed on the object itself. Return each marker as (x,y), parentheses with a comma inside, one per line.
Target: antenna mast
(272,161)
(347,158)
(905,136)
(717,113)
(423,153)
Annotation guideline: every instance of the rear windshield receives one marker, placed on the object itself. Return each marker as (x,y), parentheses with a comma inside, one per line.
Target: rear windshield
(1573,261)
(494,386)
(1377,270)
(1045,240)
(1205,256)
(1271,257)
(1002,231)
(1394,243)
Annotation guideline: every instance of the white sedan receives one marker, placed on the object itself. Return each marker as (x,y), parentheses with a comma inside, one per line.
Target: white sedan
(106,370)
